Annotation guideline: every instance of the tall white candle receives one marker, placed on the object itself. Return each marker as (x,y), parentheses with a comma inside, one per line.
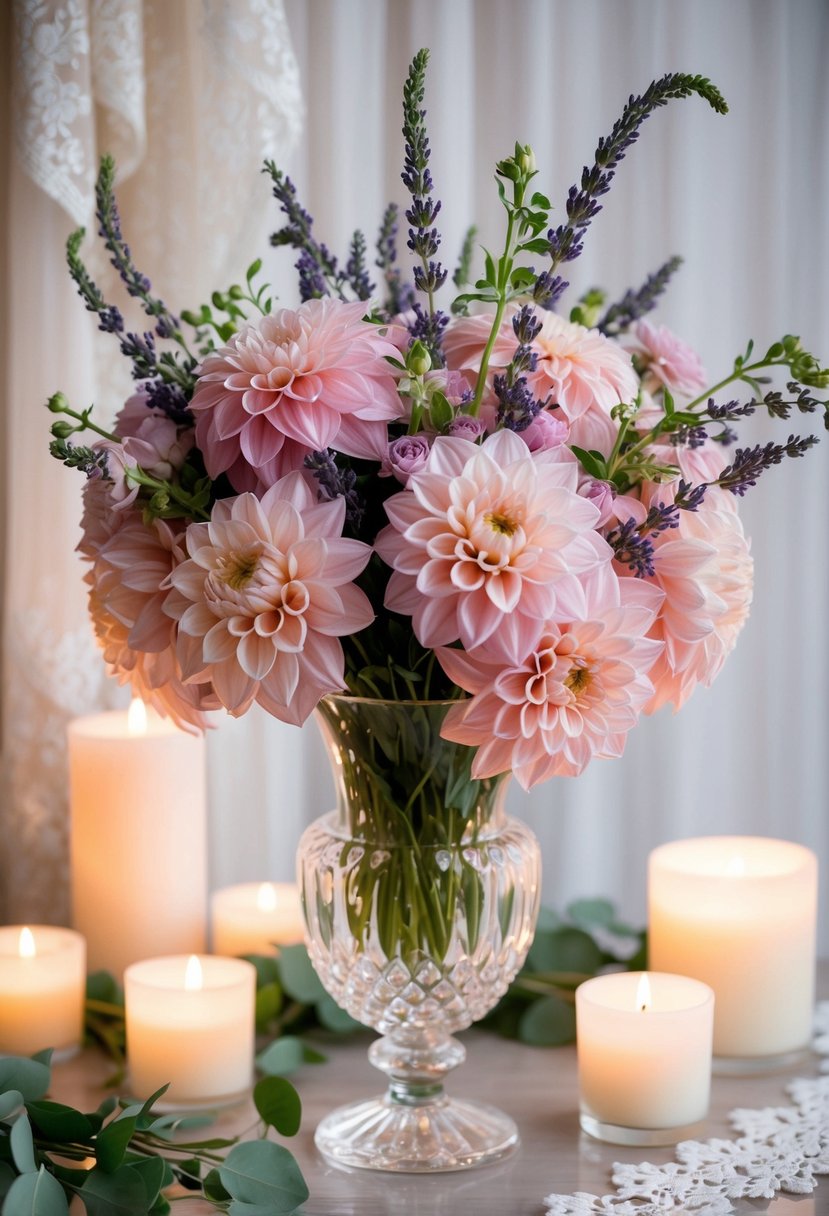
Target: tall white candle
(138,837)
(42,984)
(739,913)
(644,1054)
(252,917)
(190,1022)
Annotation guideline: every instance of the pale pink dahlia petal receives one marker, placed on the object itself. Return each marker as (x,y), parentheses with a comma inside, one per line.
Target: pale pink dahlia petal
(668,360)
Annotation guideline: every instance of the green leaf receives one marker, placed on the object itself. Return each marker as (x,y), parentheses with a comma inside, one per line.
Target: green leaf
(58,1122)
(267,970)
(299,979)
(151,1171)
(536,245)
(589,912)
(285,1055)
(45,1056)
(264,1173)
(22,1146)
(565,949)
(593,462)
(35,1195)
(548,1022)
(332,1017)
(111,1143)
(10,1102)
(440,411)
(213,1189)
(102,986)
(268,1003)
(123,1193)
(278,1104)
(7,1177)
(540,200)
(30,1077)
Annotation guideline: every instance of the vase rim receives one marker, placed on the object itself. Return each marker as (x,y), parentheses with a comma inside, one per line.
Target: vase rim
(347,696)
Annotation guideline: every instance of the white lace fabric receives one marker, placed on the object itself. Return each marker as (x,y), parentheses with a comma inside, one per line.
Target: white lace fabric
(777,1149)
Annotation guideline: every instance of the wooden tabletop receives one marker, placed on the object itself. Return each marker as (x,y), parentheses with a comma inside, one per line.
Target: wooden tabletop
(537,1086)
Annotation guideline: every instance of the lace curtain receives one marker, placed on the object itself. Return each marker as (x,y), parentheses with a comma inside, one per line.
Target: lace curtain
(744,198)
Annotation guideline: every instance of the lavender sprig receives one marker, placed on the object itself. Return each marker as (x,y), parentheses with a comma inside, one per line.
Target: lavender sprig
(93,463)
(356,269)
(566,241)
(318,270)
(635,304)
(632,542)
(428,328)
(750,463)
(399,295)
(461,276)
(518,405)
(335,482)
(424,239)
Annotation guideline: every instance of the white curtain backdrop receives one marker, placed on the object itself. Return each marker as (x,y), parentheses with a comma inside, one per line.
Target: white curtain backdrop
(743,198)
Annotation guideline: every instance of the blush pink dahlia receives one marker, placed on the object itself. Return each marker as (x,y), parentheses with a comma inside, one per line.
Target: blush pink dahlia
(292,382)
(486,541)
(574,695)
(265,597)
(705,570)
(581,370)
(668,360)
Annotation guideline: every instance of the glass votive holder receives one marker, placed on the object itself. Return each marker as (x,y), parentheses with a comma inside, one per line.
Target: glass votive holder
(644,1052)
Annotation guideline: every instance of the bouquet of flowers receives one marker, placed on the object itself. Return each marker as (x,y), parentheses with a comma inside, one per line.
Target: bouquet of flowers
(530,513)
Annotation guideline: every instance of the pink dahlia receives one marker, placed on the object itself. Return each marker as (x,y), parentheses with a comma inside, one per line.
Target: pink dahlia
(265,596)
(579,369)
(705,570)
(486,541)
(577,691)
(293,382)
(128,562)
(668,360)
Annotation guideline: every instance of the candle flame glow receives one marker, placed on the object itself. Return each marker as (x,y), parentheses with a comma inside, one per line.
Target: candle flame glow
(266,898)
(193,977)
(26,946)
(736,867)
(644,1000)
(137,717)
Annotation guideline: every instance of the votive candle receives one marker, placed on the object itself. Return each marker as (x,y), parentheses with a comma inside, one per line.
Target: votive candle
(740,914)
(252,918)
(644,1056)
(138,836)
(190,1023)
(42,987)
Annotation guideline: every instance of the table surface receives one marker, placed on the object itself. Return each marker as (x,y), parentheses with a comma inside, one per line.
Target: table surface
(537,1086)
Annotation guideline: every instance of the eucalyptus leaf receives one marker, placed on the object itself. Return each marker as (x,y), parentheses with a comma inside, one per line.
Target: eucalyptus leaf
(285,1055)
(590,912)
(44,1056)
(30,1077)
(213,1189)
(548,1022)
(10,1102)
(151,1171)
(278,1104)
(7,1177)
(299,979)
(332,1017)
(22,1146)
(35,1195)
(102,986)
(112,1141)
(260,1172)
(565,949)
(268,1003)
(58,1122)
(267,969)
(120,1194)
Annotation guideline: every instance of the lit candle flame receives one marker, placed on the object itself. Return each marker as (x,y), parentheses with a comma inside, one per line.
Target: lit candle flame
(137,718)
(26,946)
(736,867)
(193,978)
(644,1000)
(266,898)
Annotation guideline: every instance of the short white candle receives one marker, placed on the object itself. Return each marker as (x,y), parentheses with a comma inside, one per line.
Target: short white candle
(644,1053)
(138,837)
(251,918)
(190,1022)
(740,913)
(42,986)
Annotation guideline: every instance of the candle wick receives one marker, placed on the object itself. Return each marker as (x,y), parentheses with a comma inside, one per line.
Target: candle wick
(644,1009)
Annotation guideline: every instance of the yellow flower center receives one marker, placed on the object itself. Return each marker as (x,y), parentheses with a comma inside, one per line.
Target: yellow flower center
(578,680)
(237,569)
(501,523)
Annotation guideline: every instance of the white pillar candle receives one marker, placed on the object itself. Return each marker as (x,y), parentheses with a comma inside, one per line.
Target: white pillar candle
(739,913)
(644,1055)
(42,988)
(252,918)
(138,837)
(190,1022)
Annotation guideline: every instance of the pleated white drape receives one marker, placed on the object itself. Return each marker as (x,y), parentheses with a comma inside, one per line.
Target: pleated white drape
(744,199)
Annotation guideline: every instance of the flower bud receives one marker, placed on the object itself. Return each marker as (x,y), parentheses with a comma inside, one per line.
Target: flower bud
(418,360)
(525,159)
(57,403)
(62,430)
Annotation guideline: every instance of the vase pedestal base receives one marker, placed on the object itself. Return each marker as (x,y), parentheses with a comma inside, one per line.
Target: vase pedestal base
(429,1137)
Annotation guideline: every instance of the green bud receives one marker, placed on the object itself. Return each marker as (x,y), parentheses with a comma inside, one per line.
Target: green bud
(57,403)
(525,159)
(418,360)
(217,300)
(236,292)
(189,317)
(62,430)
(509,169)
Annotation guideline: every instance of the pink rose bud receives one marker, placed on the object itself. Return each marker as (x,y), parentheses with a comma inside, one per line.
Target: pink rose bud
(464,426)
(408,455)
(546,431)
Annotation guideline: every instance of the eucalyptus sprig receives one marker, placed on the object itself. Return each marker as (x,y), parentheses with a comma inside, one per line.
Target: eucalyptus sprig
(124,1157)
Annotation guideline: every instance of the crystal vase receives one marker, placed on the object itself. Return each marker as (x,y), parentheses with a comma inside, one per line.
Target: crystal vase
(420,898)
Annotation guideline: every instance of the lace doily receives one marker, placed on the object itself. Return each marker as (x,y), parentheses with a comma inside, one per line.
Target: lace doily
(778,1148)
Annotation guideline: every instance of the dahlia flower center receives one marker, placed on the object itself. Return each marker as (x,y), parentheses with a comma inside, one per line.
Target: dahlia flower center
(578,680)
(501,523)
(237,568)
